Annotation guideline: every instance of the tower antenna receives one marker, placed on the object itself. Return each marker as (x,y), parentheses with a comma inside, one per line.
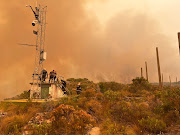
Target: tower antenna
(40,24)
(39,88)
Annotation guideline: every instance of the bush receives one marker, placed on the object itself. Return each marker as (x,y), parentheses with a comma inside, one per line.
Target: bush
(171,100)
(139,84)
(24,95)
(152,125)
(48,106)
(89,93)
(78,80)
(99,96)
(44,129)
(112,95)
(67,120)
(169,106)
(114,86)
(82,102)
(129,112)
(94,108)
(19,108)
(12,124)
(111,128)
(85,84)
(121,111)
(171,117)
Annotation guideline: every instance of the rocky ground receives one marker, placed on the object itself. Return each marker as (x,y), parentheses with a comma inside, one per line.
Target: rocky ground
(94,131)
(41,118)
(3,114)
(38,119)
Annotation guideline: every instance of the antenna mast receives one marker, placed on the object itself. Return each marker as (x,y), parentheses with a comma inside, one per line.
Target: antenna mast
(40,23)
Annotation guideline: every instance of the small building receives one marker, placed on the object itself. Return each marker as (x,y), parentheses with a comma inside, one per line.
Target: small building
(46,91)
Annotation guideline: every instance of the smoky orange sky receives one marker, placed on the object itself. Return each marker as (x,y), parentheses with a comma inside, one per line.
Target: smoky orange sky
(103,40)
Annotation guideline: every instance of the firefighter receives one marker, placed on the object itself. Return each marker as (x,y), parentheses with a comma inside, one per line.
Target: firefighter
(79,90)
(44,74)
(63,83)
(63,86)
(52,75)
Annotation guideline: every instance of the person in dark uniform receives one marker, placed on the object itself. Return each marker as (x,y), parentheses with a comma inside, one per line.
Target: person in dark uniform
(52,75)
(63,83)
(44,74)
(64,86)
(54,72)
(79,90)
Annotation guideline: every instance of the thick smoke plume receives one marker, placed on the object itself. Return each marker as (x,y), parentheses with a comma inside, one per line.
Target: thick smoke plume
(78,46)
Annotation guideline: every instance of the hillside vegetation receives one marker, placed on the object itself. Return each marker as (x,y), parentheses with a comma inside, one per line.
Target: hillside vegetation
(117,109)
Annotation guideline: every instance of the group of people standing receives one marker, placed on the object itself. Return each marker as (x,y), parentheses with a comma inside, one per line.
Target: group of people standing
(52,77)
(44,75)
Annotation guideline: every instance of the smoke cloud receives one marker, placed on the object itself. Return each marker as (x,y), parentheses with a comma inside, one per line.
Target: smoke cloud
(78,46)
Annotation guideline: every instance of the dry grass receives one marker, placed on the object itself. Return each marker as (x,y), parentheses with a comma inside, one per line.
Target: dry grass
(18,117)
(12,124)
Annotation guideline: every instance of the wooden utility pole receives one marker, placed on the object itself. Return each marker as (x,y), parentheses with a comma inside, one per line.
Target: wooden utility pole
(141,72)
(176,80)
(170,80)
(146,71)
(159,69)
(162,80)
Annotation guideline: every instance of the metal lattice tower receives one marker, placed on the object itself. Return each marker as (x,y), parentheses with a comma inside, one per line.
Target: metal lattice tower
(40,23)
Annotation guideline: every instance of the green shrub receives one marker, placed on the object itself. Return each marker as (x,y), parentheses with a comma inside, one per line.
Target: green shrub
(70,100)
(158,94)
(78,80)
(170,99)
(111,128)
(114,86)
(48,106)
(112,95)
(139,84)
(63,100)
(169,106)
(85,84)
(129,112)
(152,125)
(44,129)
(24,95)
(171,117)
